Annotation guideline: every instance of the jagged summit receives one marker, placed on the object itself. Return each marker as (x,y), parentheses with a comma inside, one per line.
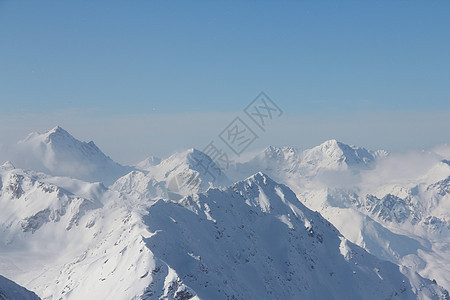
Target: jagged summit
(260,225)
(181,174)
(59,136)
(259,178)
(263,192)
(57,130)
(57,152)
(135,240)
(333,154)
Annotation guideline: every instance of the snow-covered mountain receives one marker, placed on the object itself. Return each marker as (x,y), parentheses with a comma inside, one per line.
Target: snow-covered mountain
(255,240)
(178,228)
(29,202)
(279,162)
(179,175)
(330,156)
(149,162)
(58,153)
(9,290)
(334,155)
(251,240)
(398,205)
(139,186)
(38,220)
(57,234)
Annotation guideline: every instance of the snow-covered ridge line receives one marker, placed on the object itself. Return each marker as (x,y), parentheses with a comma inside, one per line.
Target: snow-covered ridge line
(258,224)
(167,228)
(58,153)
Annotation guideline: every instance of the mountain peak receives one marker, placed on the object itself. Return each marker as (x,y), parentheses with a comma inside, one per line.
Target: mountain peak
(191,158)
(8,166)
(333,143)
(263,192)
(58,153)
(58,129)
(333,154)
(188,172)
(57,133)
(259,178)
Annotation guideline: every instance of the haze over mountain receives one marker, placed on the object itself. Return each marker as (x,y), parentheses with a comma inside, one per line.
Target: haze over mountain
(173,229)
(395,206)
(58,153)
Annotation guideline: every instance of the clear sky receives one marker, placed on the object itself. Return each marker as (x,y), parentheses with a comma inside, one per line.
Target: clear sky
(375,73)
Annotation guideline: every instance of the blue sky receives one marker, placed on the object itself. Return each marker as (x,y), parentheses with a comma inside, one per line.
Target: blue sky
(320,60)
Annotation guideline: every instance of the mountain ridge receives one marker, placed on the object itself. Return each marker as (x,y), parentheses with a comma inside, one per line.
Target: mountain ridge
(57,152)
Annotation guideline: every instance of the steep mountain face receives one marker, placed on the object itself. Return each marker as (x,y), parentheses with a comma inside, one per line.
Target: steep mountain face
(389,227)
(177,228)
(29,202)
(397,215)
(38,220)
(185,173)
(58,153)
(252,240)
(140,187)
(9,290)
(396,207)
(68,239)
(255,240)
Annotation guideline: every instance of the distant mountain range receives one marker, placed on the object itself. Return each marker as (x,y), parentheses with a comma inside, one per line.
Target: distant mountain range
(343,222)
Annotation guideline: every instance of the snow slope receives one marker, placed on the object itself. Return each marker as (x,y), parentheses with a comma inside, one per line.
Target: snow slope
(58,234)
(255,240)
(148,163)
(252,240)
(395,206)
(178,229)
(179,175)
(58,153)
(288,162)
(335,155)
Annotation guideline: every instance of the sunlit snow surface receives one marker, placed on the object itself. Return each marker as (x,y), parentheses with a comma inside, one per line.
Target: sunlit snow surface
(69,238)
